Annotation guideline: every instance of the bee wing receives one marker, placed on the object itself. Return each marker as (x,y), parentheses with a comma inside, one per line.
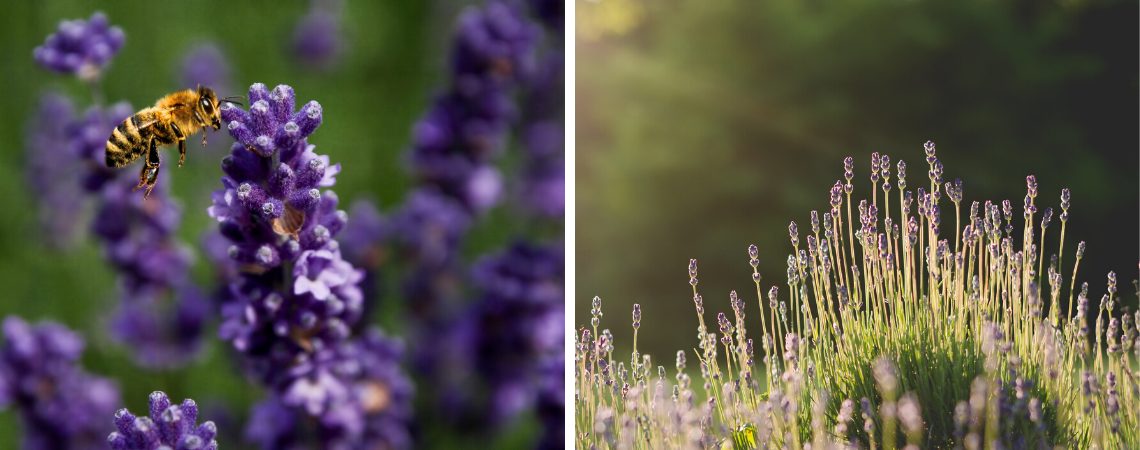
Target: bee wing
(147,124)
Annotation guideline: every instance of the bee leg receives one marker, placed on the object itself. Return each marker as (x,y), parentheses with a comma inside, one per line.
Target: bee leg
(178,135)
(149,173)
(181,151)
(204,135)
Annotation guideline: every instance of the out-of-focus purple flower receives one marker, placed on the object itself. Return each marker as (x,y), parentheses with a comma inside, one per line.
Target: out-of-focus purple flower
(52,170)
(360,397)
(493,45)
(59,405)
(552,14)
(317,40)
(80,47)
(89,141)
(168,426)
(455,141)
(162,326)
(543,187)
(361,237)
(551,406)
(206,65)
(430,226)
(161,315)
(517,320)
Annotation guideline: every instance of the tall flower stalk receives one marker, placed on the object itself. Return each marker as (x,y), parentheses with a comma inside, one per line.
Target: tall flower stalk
(295,300)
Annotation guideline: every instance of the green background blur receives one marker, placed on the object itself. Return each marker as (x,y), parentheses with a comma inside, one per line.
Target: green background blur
(706,126)
(396,58)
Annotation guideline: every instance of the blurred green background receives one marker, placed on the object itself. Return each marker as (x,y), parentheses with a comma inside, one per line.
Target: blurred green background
(396,58)
(706,126)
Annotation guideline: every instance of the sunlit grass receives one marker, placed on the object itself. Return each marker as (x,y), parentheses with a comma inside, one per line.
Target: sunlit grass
(952,328)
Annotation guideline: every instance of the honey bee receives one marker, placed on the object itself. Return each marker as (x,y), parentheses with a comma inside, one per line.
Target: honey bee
(172,119)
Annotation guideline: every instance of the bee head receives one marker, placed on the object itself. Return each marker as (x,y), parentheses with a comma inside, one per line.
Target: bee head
(208,106)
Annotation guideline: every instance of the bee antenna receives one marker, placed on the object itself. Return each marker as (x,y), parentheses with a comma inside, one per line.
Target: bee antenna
(229,99)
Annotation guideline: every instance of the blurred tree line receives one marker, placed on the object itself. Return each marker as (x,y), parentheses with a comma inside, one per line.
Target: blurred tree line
(706,126)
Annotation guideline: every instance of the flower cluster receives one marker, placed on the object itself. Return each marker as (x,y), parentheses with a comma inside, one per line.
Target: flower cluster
(519,325)
(60,406)
(80,47)
(455,141)
(293,305)
(169,426)
(361,397)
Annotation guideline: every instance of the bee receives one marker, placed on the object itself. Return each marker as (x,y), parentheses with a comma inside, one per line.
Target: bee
(172,119)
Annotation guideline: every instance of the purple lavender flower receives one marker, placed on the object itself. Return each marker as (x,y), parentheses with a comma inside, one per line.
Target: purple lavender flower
(59,405)
(163,327)
(455,141)
(543,185)
(161,315)
(52,170)
(361,237)
(317,40)
(292,308)
(205,65)
(427,231)
(168,427)
(364,398)
(517,325)
(551,405)
(89,141)
(80,47)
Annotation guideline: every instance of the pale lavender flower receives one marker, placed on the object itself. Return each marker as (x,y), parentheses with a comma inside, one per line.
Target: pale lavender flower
(81,47)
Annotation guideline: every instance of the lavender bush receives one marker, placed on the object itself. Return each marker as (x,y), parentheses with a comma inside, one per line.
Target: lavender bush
(944,340)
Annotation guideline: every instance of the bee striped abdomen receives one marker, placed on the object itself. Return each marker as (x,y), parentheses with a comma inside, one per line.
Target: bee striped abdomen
(127,143)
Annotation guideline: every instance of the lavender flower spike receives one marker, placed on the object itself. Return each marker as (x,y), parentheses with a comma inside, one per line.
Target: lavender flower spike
(168,427)
(80,47)
(317,40)
(50,160)
(60,406)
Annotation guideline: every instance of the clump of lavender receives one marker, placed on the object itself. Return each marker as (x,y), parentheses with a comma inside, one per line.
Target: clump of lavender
(295,301)
(81,47)
(968,342)
(59,405)
(51,166)
(168,426)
